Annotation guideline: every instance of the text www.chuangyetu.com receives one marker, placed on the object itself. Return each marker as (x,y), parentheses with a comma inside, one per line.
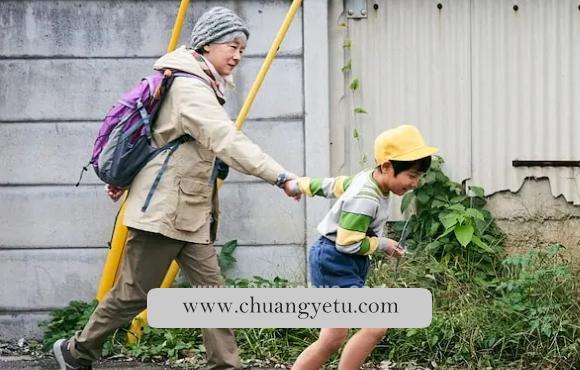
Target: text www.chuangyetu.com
(303,310)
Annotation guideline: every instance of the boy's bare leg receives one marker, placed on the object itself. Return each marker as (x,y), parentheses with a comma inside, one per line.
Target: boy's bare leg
(313,357)
(359,347)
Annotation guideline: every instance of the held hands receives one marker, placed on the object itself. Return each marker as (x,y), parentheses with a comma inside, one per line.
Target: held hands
(291,188)
(114,192)
(394,249)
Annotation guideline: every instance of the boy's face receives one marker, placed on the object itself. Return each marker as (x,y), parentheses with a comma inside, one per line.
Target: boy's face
(400,184)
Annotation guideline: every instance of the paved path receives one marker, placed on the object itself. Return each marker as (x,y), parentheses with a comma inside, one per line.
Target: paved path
(30,363)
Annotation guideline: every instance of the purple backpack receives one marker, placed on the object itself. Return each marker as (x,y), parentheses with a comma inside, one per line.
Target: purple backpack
(123,146)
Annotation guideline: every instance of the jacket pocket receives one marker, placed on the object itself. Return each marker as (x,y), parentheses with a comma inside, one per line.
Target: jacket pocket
(193,205)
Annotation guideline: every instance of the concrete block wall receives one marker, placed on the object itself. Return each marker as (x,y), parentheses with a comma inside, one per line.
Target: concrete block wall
(62,65)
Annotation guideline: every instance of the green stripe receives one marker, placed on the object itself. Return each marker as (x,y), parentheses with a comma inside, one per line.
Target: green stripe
(346,183)
(316,186)
(365,245)
(354,221)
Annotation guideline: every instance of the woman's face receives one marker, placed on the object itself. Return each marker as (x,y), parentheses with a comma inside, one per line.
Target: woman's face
(225,57)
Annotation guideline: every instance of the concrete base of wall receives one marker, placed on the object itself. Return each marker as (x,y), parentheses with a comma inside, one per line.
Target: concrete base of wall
(532,218)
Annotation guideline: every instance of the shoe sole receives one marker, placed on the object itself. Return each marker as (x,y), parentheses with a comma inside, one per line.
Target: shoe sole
(58,354)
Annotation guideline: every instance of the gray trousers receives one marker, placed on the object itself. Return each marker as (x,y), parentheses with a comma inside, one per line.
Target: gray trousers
(145,262)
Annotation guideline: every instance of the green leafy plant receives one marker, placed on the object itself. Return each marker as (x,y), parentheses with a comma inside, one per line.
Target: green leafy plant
(354,87)
(452,224)
(64,322)
(489,310)
(525,317)
(226,257)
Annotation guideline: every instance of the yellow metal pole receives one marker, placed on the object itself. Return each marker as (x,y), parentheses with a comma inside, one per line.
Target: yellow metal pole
(115,253)
(140,320)
(178,25)
(120,231)
(138,324)
(267,63)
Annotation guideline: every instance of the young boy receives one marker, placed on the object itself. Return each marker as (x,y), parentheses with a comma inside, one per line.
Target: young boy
(353,229)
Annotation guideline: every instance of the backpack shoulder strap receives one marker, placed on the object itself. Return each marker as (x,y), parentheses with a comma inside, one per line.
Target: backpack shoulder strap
(211,83)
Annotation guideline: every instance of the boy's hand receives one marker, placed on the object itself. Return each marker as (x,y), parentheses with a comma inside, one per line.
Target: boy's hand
(291,189)
(114,192)
(393,249)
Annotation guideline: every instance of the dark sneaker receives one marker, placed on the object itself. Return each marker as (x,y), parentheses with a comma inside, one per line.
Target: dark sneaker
(65,359)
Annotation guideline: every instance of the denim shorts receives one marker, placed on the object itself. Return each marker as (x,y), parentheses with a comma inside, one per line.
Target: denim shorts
(330,268)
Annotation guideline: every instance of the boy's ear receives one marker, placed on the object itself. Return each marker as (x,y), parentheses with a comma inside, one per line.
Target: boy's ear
(386,166)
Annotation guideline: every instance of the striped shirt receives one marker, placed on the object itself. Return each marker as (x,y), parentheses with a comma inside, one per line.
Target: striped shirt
(357,219)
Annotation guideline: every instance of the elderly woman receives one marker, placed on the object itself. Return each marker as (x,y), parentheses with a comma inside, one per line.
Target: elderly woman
(181,219)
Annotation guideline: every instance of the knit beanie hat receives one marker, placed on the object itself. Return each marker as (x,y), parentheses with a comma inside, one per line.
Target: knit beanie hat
(214,25)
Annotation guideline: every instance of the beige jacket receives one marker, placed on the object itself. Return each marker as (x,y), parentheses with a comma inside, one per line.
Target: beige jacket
(185,202)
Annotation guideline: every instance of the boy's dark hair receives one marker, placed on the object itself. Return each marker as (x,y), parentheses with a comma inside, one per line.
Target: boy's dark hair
(419,165)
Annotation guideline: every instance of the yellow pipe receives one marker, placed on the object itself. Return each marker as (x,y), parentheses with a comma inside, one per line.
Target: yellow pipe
(115,253)
(178,25)
(136,329)
(119,239)
(138,324)
(267,62)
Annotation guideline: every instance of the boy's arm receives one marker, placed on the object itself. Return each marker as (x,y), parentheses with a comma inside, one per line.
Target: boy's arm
(328,187)
(353,226)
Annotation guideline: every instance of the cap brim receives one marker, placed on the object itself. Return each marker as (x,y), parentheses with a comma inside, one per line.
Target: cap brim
(413,155)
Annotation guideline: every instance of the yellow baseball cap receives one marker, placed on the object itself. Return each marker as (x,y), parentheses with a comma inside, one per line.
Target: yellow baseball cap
(403,143)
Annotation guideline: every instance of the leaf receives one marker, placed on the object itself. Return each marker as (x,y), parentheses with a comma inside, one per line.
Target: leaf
(229,246)
(433,229)
(355,133)
(477,241)
(226,262)
(347,43)
(355,84)
(438,204)
(348,66)
(422,197)
(478,191)
(447,232)
(458,199)
(226,258)
(407,200)
(457,207)
(464,233)
(449,220)
(359,110)
(474,213)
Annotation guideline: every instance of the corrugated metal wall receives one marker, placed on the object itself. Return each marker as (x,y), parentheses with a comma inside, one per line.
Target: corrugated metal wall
(484,82)
(526,92)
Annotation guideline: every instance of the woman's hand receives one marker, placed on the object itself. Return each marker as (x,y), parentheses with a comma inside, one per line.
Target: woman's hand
(291,189)
(114,192)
